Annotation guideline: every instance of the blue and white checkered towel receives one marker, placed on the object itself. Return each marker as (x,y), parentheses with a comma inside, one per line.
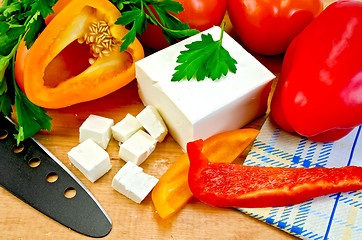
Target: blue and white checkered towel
(337,216)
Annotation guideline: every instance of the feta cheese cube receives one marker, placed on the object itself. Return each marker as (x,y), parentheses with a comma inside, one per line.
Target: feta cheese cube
(96,128)
(126,128)
(194,110)
(152,121)
(132,182)
(92,160)
(137,148)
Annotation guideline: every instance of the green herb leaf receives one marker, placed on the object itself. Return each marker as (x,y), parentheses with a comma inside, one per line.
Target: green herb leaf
(5,99)
(42,7)
(4,63)
(9,38)
(163,10)
(37,25)
(5,106)
(138,18)
(31,118)
(137,13)
(205,58)
(9,9)
(18,20)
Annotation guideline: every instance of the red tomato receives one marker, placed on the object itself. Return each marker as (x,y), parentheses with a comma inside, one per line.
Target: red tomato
(202,14)
(267,27)
(199,14)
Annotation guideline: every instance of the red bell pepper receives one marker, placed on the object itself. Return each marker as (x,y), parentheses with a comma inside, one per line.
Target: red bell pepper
(236,185)
(319,92)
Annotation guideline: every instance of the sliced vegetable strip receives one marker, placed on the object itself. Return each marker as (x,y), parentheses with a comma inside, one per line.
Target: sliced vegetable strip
(235,185)
(172,191)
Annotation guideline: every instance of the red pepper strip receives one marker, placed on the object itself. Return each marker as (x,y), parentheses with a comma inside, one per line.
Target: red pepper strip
(172,191)
(235,185)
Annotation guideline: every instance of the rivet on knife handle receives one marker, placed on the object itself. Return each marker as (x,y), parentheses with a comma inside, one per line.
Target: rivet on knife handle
(37,177)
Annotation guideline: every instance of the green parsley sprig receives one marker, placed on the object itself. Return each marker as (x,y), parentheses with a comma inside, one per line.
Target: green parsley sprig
(137,13)
(18,20)
(205,58)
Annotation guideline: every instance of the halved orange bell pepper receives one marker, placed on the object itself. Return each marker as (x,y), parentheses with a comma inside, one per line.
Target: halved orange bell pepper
(172,191)
(77,57)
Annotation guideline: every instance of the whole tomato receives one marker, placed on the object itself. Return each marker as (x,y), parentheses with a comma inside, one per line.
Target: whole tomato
(199,14)
(267,27)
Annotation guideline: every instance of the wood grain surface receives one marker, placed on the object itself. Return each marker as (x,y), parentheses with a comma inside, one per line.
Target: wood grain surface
(130,220)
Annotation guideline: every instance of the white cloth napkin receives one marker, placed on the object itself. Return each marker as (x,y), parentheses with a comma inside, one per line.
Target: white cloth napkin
(336,216)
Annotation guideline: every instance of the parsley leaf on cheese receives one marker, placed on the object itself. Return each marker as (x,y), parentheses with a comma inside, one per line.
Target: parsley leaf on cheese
(205,58)
(18,20)
(136,14)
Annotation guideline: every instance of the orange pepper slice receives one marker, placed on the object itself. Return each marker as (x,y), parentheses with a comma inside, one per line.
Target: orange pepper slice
(172,191)
(77,57)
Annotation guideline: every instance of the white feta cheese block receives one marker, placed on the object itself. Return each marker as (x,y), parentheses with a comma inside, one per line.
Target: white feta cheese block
(132,182)
(96,128)
(137,148)
(126,128)
(194,110)
(92,160)
(152,121)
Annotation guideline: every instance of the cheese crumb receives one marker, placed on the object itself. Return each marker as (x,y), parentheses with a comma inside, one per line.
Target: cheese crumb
(152,121)
(137,148)
(133,183)
(92,160)
(126,128)
(96,128)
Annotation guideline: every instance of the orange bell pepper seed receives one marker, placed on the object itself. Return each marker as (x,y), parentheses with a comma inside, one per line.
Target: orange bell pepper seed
(77,57)
(172,191)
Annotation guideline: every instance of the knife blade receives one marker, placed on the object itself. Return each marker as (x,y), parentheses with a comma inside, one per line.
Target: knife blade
(33,174)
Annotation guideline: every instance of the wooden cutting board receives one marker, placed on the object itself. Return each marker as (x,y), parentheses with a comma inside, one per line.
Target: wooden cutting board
(130,220)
